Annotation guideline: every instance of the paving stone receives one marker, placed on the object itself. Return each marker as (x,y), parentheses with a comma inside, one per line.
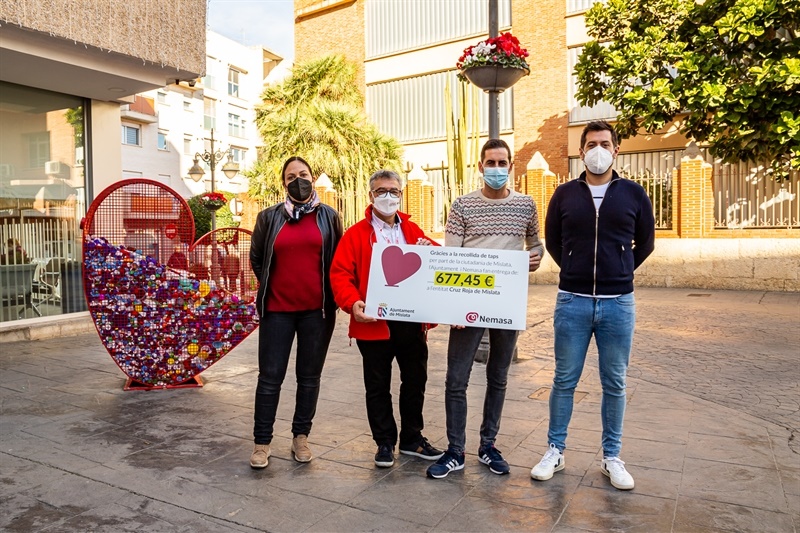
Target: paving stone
(736,484)
(596,509)
(711,437)
(693,515)
(481,514)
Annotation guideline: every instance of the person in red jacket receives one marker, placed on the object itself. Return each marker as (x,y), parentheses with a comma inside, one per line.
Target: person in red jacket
(381,341)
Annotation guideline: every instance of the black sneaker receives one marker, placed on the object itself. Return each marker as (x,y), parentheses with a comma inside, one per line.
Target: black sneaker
(422,449)
(490,456)
(448,462)
(384,458)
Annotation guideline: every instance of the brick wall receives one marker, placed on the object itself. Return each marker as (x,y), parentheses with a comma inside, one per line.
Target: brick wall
(419,203)
(540,100)
(330,27)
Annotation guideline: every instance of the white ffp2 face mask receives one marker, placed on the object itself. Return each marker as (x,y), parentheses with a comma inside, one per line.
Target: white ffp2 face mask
(386,205)
(598,160)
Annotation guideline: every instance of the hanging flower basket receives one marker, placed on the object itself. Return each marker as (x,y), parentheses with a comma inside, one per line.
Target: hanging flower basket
(213,201)
(494,77)
(494,64)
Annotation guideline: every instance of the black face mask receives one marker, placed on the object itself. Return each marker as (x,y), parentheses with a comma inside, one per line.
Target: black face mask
(300,190)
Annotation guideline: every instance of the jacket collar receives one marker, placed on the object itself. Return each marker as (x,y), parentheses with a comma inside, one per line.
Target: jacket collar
(614,176)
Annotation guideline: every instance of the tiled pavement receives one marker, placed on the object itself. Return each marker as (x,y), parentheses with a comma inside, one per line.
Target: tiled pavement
(710,437)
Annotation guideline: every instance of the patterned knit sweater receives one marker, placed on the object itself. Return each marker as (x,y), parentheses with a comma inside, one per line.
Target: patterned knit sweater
(511,223)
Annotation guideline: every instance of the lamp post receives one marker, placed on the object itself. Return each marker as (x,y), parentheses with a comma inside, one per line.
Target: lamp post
(212,157)
(494,96)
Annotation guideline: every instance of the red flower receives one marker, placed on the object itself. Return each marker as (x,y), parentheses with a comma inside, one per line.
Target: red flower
(503,50)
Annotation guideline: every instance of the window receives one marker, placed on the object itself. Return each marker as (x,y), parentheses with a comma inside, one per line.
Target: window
(210,80)
(239,155)
(187,105)
(41,137)
(162,141)
(187,146)
(131,135)
(38,149)
(576,6)
(233,82)
(236,125)
(394,26)
(578,113)
(209,113)
(161,98)
(413,109)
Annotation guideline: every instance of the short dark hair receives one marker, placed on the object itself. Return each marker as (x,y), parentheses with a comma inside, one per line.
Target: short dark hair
(495,143)
(385,174)
(599,125)
(291,159)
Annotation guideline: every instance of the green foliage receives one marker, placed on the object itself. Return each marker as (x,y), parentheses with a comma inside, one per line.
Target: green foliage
(317,114)
(202,216)
(727,70)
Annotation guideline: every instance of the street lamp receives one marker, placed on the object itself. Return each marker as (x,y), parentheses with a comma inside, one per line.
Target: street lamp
(211,157)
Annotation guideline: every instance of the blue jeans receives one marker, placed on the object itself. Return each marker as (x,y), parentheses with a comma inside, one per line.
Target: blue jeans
(461,348)
(611,321)
(276,334)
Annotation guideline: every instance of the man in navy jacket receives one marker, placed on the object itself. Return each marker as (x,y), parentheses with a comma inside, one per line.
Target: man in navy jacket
(599,228)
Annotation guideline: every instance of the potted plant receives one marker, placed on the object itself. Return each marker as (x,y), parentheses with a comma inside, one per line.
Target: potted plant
(494,64)
(213,200)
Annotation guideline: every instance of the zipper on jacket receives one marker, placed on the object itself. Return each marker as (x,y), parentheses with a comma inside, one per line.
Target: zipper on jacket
(596,233)
(596,240)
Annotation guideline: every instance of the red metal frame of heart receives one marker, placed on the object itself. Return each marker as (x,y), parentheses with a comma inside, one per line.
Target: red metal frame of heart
(166,307)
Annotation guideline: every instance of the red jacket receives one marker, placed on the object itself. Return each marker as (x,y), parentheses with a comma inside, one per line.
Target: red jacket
(350,271)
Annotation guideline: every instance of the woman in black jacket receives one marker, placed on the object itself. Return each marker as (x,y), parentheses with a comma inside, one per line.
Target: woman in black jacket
(291,251)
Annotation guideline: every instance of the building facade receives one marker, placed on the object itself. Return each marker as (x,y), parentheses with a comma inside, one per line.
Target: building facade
(407,52)
(164,128)
(62,82)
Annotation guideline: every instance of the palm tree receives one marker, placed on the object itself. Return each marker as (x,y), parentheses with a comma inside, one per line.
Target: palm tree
(317,113)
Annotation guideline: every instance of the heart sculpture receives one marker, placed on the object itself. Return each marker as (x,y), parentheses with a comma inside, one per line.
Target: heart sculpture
(398,266)
(166,308)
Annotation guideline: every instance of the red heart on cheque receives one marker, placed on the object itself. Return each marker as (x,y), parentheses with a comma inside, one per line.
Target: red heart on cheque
(398,266)
(166,308)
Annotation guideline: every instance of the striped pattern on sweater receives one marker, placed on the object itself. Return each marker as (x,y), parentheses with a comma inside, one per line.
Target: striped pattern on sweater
(510,223)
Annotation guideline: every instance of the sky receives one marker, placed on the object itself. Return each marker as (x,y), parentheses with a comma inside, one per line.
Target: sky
(255,22)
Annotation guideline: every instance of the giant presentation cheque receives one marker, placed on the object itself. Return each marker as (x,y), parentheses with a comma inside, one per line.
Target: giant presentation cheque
(443,285)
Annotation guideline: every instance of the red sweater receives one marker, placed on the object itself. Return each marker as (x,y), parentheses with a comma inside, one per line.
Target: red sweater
(295,280)
(350,271)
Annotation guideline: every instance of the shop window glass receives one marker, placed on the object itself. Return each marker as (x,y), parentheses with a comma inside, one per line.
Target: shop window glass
(42,200)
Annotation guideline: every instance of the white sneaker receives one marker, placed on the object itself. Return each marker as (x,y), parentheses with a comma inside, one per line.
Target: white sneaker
(614,468)
(552,462)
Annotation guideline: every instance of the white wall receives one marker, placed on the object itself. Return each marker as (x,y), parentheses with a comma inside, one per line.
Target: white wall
(180,115)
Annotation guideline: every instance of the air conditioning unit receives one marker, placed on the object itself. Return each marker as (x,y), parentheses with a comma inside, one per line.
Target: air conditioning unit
(52,167)
(6,170)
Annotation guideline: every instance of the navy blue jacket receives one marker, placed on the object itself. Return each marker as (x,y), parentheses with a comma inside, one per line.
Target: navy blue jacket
(598,249)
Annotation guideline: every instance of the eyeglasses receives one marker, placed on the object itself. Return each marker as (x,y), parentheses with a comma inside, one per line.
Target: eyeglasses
(381,193)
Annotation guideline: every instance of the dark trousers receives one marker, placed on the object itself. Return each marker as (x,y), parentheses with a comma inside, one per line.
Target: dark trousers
(276,334)
(461,350)
(408,345)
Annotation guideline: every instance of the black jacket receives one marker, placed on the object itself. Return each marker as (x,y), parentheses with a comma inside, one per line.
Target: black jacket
(268,224)
(598,249)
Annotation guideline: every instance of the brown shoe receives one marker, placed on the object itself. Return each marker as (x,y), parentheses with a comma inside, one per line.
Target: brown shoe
(300,449)
(260,457)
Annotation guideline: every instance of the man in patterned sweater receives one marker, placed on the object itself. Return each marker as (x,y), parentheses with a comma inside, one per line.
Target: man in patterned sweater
(496,217)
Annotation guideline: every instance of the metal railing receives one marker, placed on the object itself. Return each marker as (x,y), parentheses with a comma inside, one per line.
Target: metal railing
(747,197)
